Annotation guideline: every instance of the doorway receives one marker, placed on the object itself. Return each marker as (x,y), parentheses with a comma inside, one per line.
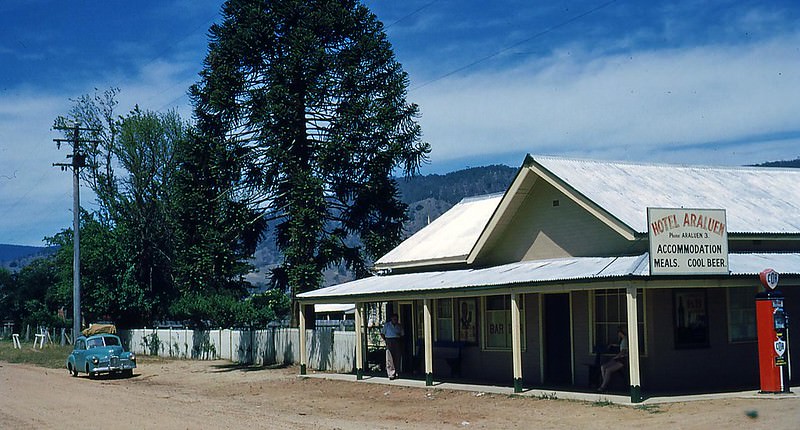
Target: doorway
(557,339)
(405,315)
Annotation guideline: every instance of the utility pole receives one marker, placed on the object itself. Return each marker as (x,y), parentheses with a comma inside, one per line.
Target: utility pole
(78,161)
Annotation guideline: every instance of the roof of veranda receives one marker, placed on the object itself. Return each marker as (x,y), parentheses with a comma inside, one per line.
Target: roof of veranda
(539,272)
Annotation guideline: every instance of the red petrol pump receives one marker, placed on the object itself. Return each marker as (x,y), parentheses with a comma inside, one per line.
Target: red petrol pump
(773,336)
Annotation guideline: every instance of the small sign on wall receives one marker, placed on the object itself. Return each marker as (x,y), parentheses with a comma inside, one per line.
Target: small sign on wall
(691,318)
(687,241)
(467,321)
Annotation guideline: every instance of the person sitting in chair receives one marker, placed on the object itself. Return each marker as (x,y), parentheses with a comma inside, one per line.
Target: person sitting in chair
(617,362)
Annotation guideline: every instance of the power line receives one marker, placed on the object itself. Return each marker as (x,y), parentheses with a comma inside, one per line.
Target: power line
(514,45)
(416,11)
(168,48)
(174,100)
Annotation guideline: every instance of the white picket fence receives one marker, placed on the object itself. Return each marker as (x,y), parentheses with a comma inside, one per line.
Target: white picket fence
(327,349)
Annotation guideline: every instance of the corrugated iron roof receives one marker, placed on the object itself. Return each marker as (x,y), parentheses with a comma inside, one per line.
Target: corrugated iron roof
(756,199)
(347,308)
(449,237)
(539,271)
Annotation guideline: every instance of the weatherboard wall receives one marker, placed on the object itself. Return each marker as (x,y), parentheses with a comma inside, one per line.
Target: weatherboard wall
(719,365)
(548,224)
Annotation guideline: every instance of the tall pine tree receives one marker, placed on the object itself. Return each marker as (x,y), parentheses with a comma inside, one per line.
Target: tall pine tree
(309,102)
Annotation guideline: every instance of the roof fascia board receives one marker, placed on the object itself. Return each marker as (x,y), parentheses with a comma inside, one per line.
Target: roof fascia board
(714,281)
(530,166)
(461,259)
(509,196)
(732,235)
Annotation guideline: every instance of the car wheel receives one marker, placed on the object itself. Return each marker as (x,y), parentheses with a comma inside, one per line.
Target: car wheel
(91,374)
(127,373)
(72,371)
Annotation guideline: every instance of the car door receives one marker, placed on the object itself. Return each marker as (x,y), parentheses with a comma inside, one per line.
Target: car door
(79,355)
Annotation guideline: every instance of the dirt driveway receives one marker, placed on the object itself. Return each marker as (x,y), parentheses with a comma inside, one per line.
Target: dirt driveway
(217,395)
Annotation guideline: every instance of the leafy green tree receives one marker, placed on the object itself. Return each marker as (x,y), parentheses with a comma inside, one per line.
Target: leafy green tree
(130,242)
(306,103)
(108,292)
(7,290)
(32,295)
(216,233)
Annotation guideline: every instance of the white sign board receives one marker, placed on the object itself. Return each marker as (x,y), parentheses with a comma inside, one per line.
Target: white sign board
(688,241)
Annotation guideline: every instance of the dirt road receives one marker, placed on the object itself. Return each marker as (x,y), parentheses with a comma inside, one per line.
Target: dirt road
(217,395)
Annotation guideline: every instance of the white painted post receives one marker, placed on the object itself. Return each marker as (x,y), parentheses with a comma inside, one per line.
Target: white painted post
(516,343)
(303,357)
(633,344)
(17,345)
(38,338)
(427,329)
(359,317)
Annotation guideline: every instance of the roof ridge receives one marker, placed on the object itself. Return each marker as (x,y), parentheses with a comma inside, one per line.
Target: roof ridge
(662,164)
(481,197)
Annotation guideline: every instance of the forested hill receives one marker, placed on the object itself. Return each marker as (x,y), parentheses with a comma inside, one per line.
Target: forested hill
(429,196)
(783,163)
(454,186)
(16,256)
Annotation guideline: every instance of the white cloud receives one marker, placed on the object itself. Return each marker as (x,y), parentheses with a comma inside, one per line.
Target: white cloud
(35,197)
(643,104)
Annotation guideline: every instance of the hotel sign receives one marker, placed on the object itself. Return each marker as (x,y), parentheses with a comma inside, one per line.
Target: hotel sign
(687,241)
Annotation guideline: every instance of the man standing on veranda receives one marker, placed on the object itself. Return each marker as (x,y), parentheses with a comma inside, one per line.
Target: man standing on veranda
(392,333)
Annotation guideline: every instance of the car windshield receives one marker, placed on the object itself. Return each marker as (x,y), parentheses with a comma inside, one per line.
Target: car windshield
(99,341)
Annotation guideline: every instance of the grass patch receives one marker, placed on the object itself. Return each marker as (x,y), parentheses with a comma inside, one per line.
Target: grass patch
(653,409)
(51,356)
(547,396)
(603,403)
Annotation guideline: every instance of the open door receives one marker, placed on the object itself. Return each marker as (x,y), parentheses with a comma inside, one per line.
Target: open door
(557,339)
(406,318)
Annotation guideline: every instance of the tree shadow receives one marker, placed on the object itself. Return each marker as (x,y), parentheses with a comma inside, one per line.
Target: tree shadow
(237,367)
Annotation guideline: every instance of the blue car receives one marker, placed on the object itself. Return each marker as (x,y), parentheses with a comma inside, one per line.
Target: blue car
(100,353)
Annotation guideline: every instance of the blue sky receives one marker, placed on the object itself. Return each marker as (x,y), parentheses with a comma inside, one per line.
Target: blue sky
(692,82)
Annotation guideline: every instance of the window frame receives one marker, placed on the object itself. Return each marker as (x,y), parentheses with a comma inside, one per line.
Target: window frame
(729,310)
(484,332)
(622,298)
(436,318)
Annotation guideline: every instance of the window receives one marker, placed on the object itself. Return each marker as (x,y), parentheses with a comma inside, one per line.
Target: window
(610,313)
(444,319)
(497,326)
(741,314)
(691,318)
(110,341)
